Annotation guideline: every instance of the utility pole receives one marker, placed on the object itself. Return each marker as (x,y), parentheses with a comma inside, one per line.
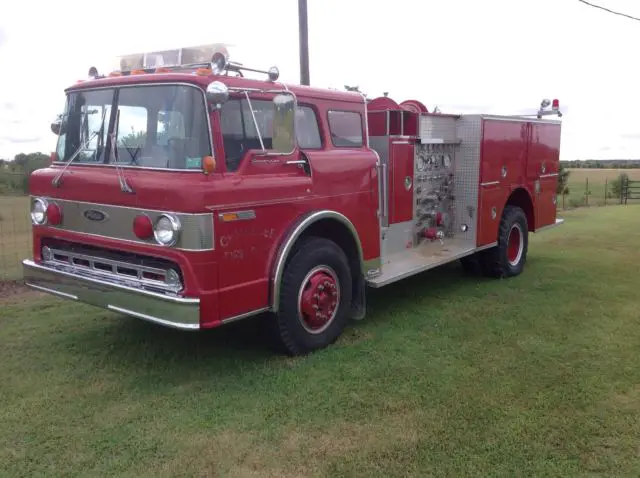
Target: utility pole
(304,42)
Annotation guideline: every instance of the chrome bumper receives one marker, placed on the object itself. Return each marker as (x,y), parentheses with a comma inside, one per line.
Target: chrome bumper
(176,312)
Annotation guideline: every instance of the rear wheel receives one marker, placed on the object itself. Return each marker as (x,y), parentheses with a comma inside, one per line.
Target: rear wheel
(508,258)
(315,296)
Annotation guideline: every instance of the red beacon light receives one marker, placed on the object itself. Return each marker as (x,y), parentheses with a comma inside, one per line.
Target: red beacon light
(555,105)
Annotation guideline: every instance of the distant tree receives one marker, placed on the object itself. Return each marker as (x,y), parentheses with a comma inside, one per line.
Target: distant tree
(617,185)
(352,88)
(563,180)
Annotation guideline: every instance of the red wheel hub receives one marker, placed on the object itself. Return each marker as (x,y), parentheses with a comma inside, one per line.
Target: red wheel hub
(514,245)
(319,299)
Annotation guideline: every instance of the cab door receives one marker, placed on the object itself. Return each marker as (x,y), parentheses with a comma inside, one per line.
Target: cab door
(261,195)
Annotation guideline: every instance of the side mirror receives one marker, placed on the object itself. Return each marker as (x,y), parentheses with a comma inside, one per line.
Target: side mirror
(58,126)
(217,93)
(284,137)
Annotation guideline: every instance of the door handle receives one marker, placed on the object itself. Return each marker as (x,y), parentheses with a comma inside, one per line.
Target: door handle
(296,161)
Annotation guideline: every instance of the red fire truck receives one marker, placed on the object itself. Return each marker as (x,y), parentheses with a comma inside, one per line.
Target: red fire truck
(184,193)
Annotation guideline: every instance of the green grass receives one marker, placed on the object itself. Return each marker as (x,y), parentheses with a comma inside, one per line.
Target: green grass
(448,375)
(15,235)
(599,182)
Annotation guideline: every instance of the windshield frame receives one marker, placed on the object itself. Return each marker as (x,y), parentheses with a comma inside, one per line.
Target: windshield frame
(135,85)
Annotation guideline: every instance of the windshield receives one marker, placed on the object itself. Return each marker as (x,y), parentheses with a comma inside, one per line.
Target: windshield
(163,126)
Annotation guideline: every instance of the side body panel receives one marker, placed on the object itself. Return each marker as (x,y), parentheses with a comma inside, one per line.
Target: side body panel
(504,150)
(542,166)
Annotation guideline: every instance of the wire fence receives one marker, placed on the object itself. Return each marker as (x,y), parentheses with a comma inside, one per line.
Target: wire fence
(586,189)
(589,188)
(15,235)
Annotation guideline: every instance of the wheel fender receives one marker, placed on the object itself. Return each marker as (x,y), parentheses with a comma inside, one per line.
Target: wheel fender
(289,241)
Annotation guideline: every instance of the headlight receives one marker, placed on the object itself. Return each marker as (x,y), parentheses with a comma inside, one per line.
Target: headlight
(39,211)
(167,230)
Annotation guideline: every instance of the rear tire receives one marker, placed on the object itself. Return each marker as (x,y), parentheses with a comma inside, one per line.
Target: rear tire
(315,297)
(508,258)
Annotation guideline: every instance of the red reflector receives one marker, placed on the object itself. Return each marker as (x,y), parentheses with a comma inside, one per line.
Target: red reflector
(142,227)
(431,233)
(54,214)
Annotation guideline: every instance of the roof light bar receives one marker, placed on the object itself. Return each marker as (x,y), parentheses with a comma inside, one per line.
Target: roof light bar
(212,58)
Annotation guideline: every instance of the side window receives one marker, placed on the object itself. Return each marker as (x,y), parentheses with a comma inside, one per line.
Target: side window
(307,131)
(345,128)
(239,131)
(170,125)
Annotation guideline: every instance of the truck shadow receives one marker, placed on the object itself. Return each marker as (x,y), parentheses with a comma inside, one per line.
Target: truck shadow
(234,348)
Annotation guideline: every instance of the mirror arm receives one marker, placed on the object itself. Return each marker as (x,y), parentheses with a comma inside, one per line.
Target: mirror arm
(255,122)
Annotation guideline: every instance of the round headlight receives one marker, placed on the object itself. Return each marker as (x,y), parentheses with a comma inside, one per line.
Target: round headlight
(39,211)
(167,230)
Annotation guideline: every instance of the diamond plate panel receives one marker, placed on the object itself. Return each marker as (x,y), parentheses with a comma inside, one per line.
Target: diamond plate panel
(467,175)
(439,127)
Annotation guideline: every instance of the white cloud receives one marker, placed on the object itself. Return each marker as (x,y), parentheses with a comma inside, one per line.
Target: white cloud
(496,56)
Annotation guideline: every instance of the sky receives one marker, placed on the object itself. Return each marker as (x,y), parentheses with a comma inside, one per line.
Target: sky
(466,56)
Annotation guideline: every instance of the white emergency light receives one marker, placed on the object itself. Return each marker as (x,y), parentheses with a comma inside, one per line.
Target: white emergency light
(213,57)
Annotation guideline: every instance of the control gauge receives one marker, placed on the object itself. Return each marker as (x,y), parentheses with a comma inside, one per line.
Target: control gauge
(446,161)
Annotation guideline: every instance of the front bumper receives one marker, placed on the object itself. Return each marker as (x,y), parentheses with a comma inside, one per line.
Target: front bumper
(170,311)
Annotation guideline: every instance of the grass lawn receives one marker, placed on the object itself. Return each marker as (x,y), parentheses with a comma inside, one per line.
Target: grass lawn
(15,235)
(448,375)
(597,180)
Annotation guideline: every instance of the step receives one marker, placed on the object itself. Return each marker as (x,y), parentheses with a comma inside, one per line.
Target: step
(422,258)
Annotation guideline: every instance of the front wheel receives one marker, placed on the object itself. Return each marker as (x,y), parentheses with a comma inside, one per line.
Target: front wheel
(315,296)
(508,258)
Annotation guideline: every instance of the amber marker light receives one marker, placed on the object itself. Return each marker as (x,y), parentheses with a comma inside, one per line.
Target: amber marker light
(208,164)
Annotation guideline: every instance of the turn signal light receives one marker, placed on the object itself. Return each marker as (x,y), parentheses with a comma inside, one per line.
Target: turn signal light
(142,227)
(54,214)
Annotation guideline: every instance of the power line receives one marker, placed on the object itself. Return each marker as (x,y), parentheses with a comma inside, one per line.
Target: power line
(610,11)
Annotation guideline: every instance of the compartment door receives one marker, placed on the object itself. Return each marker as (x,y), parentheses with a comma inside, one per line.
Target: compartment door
(401,160)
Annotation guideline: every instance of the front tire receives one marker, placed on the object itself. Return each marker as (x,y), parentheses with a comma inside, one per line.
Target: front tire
(508,258)
(315,297)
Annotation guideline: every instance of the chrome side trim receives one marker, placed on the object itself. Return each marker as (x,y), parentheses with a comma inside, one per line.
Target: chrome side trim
(246,315)
(293,237)
(558,222)
(366,120)
(171,311)
(197,228)
(490,183)
(549,175)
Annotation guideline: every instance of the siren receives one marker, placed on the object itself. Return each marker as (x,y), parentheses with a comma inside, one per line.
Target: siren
(219,59)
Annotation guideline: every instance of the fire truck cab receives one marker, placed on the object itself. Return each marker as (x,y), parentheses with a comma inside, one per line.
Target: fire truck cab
(183,193)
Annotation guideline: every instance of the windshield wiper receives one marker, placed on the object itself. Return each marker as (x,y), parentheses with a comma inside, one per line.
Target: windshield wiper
(113,152)
(56,181)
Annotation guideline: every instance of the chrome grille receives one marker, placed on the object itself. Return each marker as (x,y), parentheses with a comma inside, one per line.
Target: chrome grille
(130,274)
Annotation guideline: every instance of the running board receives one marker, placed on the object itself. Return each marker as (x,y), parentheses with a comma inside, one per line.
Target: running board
(414,261)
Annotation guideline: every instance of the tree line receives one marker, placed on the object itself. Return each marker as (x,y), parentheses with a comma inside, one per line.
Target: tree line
(14,174)
(602,163)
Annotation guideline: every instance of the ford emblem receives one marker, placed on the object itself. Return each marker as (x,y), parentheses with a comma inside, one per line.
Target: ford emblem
(95,215)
